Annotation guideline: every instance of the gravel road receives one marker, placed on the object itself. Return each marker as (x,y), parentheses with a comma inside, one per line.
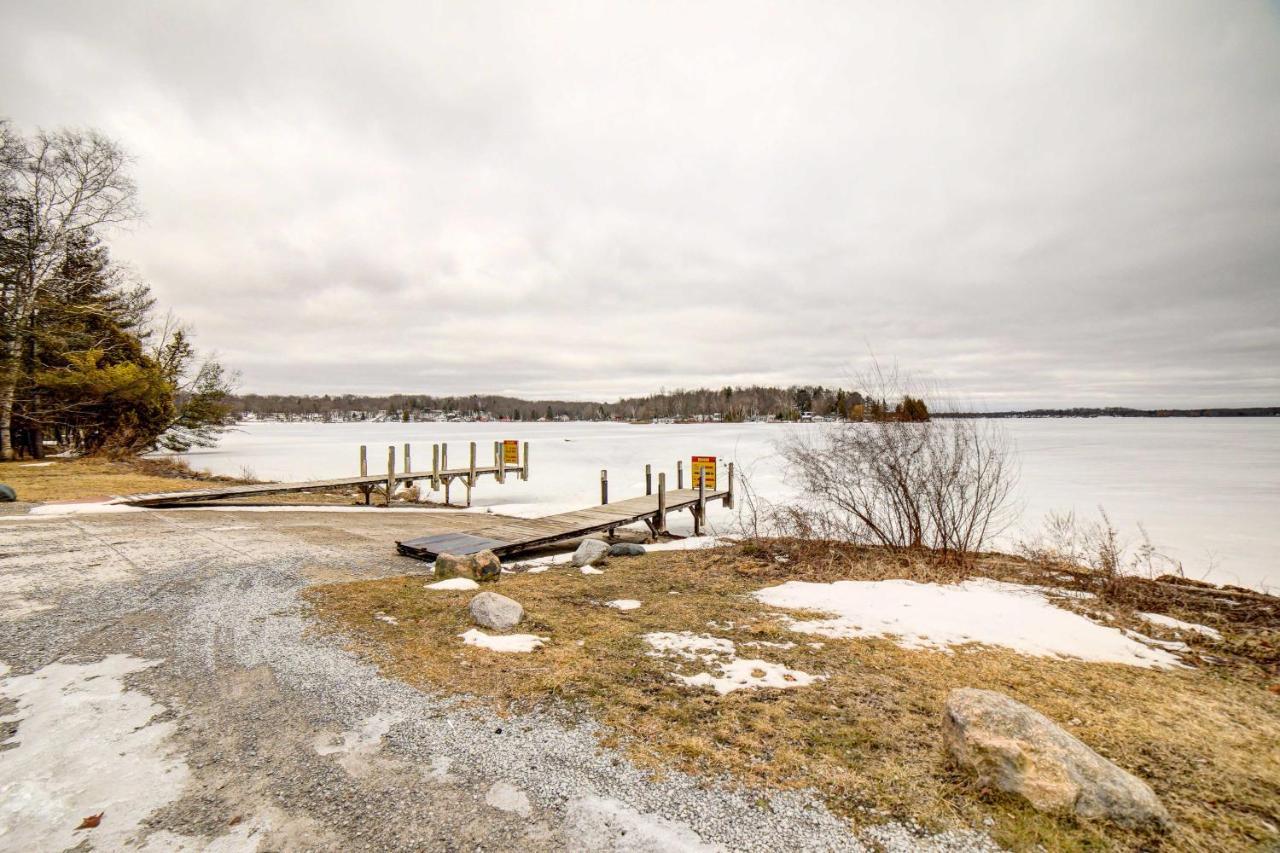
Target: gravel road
(161,670)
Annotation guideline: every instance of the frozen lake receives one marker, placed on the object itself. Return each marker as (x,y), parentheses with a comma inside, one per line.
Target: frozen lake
(1207,490)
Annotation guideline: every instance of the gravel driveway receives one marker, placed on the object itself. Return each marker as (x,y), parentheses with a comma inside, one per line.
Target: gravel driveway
(159,668)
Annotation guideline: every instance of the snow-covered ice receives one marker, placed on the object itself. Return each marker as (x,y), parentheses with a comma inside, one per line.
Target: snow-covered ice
(503,643)
(936,616)
(623,603)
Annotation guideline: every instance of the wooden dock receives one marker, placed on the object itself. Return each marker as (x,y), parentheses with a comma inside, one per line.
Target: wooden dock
(510,536)
(439,475)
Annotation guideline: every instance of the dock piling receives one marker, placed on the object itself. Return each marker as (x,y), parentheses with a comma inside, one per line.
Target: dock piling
(700,509)
(524,463)
(391,472)
(661,521)
(679,473)
(471,478)
(604,487)
(435,467)
(408,466)
(648,479)
(728,502)
(364,461)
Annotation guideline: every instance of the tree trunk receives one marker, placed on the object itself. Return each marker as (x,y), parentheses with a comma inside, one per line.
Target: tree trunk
(6,418)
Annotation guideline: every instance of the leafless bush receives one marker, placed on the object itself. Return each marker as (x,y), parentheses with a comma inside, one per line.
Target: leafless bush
(943,484)
(1096,545)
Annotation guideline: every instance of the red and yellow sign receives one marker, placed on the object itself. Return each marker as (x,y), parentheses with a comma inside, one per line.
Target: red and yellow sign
(511,452)
(704,471)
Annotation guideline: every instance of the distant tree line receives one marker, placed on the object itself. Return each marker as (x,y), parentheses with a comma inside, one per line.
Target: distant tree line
(83,362)
(1122,412)
(729,404)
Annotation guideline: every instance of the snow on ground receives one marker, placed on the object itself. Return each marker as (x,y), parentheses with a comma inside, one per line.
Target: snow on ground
(383,617)
(735,673)
(84,744)
(623,603)
(690,543)
(688,645)
(922,615)
(454,583)
(601,823)
(589,570)
(35,464)
(505,643)
(750,673)
(1179,625)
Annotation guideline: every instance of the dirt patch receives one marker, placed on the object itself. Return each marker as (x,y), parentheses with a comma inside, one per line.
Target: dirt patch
(868,735)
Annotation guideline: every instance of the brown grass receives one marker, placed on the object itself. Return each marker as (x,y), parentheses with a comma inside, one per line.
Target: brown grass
(869,737)
(99,477)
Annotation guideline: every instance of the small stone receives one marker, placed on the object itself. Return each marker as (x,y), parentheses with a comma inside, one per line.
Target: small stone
(7,494)
(589,551)
(1019,750)
(626,549)
(498,612)
(485,566)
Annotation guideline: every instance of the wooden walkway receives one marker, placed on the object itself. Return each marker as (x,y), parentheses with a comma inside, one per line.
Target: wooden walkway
(514,535)
(365,483)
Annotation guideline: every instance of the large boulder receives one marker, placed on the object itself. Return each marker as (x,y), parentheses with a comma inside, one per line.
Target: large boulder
(1017,749)
(626,549)
(7,494)
(498,612)
(589,551)
(483,566)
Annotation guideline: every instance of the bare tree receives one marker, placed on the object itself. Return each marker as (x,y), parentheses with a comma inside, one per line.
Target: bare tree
(943,484)
(54,188)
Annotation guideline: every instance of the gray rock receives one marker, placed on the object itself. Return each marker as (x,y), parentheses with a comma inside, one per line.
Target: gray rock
(498,612)
(626,549)
(1017,749)
(483,566)
(589,551)
(7,494)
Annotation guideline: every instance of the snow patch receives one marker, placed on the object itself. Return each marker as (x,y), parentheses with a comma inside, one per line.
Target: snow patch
(933,616)
(623,603)
(688,645)
(1179,625)
(383,617)
(35,465)
(454,583)
(602,823)
(588,570)
(84,744)
(750,673)
(508,798)
(507,643)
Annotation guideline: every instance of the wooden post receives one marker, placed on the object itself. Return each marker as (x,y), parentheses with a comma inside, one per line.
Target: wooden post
(391,472)
(662,502)
(500,459)
(648,479)
(408,466)
(604,487)
(471,480)
(700,511)
(728,501)
(364,461)
(444,456)
(679,473)
(435,467)
(524,463)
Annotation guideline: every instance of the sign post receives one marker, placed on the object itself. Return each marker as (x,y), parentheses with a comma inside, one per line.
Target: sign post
(703,470)
(511,452)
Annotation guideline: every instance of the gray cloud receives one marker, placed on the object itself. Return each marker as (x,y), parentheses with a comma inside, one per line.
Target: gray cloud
(1031,203)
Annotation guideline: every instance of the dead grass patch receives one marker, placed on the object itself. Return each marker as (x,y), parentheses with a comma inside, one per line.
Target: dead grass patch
(98,477)
(869,736)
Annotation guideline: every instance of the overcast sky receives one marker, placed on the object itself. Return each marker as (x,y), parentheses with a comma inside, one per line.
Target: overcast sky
(1029,203)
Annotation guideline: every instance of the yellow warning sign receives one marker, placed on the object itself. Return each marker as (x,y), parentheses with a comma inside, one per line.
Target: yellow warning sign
(704,470)
(511,452)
